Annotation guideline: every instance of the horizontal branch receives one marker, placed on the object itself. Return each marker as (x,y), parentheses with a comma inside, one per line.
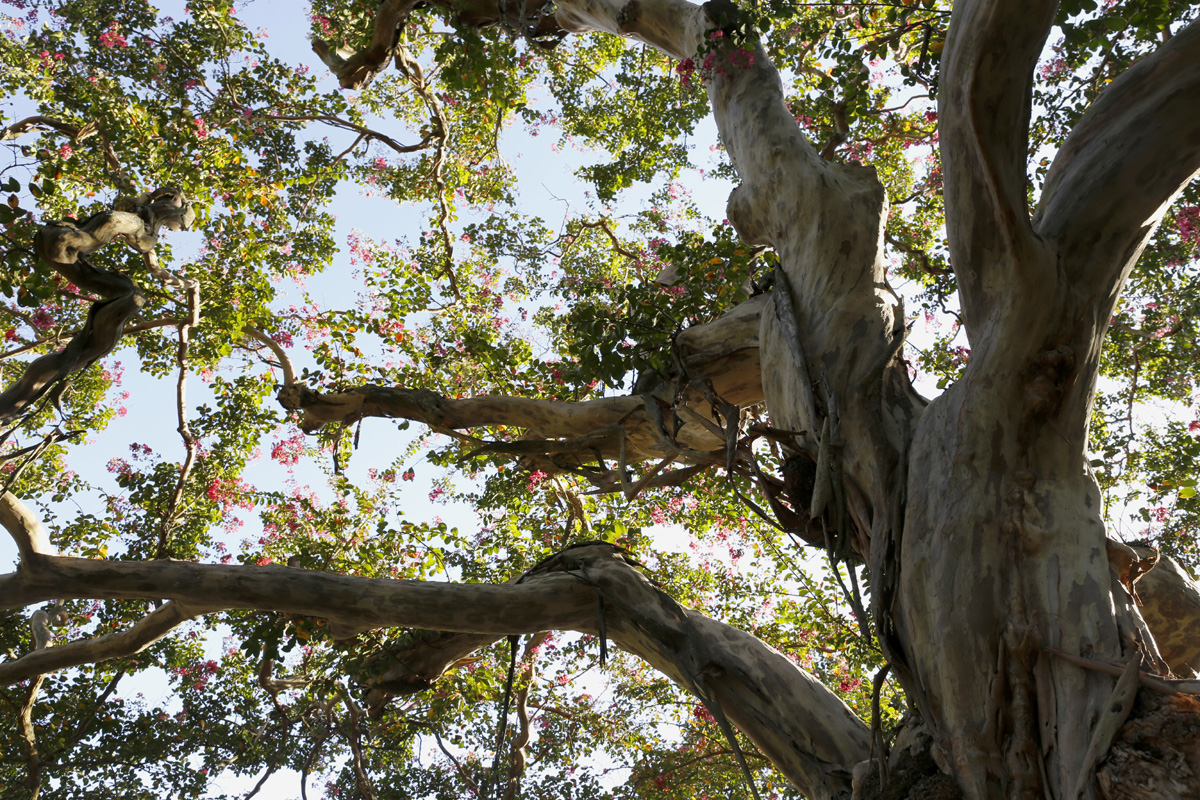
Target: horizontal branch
(351,604)
(721,355)
(135,639)
(814,739)
(41,123)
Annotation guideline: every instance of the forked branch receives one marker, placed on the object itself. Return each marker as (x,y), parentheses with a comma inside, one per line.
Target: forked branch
(135,639)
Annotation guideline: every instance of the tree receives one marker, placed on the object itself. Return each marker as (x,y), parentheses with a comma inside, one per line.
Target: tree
(1031,654)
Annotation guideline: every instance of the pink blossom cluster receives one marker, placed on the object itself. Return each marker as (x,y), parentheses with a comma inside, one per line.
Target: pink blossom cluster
(198,675)
(326,24)
(230,493)
(111,38)
(287,451)
(1188,222)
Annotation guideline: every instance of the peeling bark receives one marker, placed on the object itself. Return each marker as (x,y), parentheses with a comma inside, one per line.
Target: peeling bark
(1171,607)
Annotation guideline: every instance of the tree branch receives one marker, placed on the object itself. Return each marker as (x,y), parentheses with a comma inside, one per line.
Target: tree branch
(25,529)
(815,748)
(356,70)
(135,639)
(33,760)
(64,246)
(984,119)
(41,123)
(285,363)
(983,111)
(1114,177)
(1171,608)
(722,353)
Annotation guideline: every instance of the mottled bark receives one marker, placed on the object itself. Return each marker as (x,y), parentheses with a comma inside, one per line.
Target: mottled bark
(1004,546)
(1171,607)
(65,247)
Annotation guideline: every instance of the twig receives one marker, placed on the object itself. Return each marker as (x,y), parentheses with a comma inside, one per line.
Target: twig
(353,737)
(517,767)
(440,127)
(363,131)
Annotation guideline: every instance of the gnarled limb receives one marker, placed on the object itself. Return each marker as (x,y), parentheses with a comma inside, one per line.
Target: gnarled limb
(65,246)
(357,69)
(722,353)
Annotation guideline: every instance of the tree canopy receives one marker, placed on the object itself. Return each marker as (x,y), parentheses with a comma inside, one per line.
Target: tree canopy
(267,308)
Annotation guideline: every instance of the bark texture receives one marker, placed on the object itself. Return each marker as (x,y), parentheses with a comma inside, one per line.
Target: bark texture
(65,247)
(814,739)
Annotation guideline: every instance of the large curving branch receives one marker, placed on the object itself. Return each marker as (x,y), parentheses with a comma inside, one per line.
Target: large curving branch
(1134,150)
(984,106)
(65,246)
(670,422)
(814,739)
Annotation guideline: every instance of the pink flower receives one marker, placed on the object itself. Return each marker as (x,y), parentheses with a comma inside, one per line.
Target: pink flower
(41,319)
(685,69)
(536,477)
(65,151)
(288,451)
(110,38)
(848,685)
